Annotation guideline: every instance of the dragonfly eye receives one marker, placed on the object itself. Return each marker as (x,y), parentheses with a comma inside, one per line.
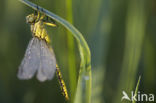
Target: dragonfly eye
(30,18)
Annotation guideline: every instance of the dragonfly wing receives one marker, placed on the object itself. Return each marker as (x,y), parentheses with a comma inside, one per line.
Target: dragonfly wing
(31,60)
(48,62)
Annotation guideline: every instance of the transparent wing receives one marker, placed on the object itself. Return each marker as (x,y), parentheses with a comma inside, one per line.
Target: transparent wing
(48,62)
(31,60)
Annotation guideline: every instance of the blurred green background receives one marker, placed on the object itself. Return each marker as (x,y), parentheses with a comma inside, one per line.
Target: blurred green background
(120,34)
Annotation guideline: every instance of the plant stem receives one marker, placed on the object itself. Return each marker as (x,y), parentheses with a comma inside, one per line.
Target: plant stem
(71,51)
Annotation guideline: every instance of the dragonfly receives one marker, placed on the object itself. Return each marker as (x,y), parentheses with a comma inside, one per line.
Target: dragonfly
(39,58)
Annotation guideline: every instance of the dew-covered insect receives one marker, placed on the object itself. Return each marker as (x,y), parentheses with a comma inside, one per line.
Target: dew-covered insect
(39,57)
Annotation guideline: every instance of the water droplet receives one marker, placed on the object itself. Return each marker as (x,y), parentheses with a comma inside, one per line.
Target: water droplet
(86,77)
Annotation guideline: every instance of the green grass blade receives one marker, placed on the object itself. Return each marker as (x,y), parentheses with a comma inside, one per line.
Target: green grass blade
(137,87)
(83,94)
(71,52)
(135,32)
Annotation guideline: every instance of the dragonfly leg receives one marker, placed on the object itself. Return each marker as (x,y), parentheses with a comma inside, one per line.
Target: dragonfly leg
(49,24)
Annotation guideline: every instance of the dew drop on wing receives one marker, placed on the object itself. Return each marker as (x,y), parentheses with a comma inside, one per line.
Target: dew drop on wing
(31,60)
(48,62)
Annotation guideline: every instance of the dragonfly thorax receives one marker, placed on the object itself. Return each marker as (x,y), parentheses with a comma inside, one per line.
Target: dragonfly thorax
(39,31)
(37,23)
(37,27)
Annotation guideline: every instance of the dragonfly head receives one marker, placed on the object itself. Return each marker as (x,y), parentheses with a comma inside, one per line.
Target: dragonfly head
(31,18)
